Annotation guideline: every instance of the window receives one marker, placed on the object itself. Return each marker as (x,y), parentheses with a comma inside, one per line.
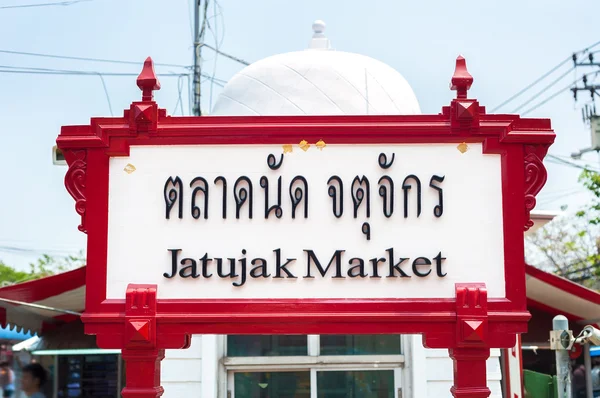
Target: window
(265,345)
(88,376)
(356,384)
(272,384)
(360,345)
(328,366)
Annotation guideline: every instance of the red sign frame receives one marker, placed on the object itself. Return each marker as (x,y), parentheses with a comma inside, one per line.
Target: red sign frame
(143,326)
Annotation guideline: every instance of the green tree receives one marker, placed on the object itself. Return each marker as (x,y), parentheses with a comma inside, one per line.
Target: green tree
(9,275)
(591,180)
(570,245)
(44,266)
(567,246)
(48,265)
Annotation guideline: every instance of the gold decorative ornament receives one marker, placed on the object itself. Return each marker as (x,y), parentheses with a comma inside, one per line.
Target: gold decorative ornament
(321,144)
(304,145)
(463,147)
(129,168)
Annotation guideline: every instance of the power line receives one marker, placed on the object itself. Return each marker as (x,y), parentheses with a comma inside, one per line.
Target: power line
(83,73)
(566,60)
(112,61)
(23,250)
(551,97)
(10,69)
(217,45)
(546,100)
(106,94)
(62,3)
(557,160)
(35,70)
(241,61)
(545,75)
(548,87)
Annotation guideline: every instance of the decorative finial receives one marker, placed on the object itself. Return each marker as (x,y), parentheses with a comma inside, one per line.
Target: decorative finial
(462,79)
(147,80)
(319,40)
(319,28)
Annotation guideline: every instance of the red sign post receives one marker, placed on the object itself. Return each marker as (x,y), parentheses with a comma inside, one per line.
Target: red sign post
(463,304)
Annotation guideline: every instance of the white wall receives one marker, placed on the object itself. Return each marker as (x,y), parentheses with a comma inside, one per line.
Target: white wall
(181,372)
(429,371)
(193,372)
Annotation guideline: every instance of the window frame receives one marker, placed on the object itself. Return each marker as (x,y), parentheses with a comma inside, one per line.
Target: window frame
(313,362)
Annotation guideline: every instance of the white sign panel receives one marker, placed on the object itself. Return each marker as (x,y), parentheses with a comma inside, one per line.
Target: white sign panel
(171,225)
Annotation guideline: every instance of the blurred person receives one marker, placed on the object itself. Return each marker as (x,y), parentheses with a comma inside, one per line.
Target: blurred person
(578,381)
(33,378)
(7,380)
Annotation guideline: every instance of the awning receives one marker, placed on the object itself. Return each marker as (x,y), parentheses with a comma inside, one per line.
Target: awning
(10,333)
(558,295)
(36,305)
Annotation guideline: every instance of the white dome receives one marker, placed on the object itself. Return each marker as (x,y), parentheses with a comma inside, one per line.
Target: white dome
(318,81)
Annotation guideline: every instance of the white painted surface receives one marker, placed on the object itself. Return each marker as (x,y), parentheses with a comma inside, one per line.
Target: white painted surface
(181,371)
(318,81)
(514,369)
(431,373)
(210,364)
(468,234)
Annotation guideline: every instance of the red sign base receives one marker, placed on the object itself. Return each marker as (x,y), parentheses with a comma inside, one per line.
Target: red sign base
(143,346)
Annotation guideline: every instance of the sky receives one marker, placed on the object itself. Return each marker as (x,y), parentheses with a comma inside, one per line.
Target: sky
(508,44)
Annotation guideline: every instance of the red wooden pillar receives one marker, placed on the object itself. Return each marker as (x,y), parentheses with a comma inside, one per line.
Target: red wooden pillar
(142,369)
(472,346)
(141,353)
(470,372)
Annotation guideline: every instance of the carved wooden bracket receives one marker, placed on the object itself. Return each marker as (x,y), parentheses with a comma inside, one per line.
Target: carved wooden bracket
(75,181)
(535,178)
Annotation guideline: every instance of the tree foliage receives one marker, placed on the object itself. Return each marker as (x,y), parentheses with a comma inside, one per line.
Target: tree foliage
(44,266)
(570,245)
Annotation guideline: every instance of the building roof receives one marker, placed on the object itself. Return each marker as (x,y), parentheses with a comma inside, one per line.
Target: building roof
(558,295)
(317,81)
(540,218)
(53,299)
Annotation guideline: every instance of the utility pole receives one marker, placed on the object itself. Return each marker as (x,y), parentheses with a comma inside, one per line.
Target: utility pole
(561,340)
(198,43)
(588,112)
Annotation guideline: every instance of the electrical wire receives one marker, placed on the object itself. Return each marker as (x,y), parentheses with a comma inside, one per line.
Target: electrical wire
(555,198)
(545,75)
(193,4)
(106,94)
(24,250)
(556,160)
(554,95)
(563,62)
(179,100)
(217,44)
(62,3)
(34,70)
(241,61)
(548,87)
(112,61)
